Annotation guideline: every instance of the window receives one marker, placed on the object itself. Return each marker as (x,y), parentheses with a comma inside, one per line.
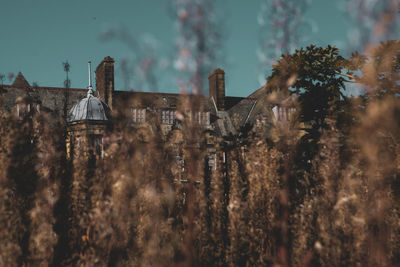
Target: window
(282,113)
(23,110)
(168,116)
(98,146)
(180,162)
(138,115)
(76,146)
(261,121)
(96,142)
(202,118)
(212,161)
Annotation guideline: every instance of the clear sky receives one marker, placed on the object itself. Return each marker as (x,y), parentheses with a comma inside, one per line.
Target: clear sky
(38,35)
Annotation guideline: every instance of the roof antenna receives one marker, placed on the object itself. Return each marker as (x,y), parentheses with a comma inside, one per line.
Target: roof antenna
(90,88)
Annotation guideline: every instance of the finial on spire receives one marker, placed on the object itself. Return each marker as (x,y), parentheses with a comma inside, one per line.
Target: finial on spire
(90,75)
(90,88)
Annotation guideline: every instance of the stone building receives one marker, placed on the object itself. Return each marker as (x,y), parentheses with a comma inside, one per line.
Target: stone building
(89,113)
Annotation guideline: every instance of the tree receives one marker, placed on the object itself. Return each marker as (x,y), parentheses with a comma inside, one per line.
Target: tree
(317,76)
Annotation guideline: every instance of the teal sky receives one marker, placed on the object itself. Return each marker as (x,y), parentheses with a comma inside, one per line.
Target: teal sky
(38,35)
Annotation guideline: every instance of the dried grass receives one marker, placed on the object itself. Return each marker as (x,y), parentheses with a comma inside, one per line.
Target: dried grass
(138,206)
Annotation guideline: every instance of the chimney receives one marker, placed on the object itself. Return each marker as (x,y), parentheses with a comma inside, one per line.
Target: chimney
(105,80)
(217,87)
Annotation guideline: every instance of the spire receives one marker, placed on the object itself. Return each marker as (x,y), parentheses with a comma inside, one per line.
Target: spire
(90,88)
(20,81)
(90,75)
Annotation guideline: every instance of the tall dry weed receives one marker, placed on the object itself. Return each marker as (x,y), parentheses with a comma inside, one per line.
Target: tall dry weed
(153,200)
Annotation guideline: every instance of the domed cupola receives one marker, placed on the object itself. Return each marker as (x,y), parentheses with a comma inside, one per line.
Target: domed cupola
(90,108)
(88,124)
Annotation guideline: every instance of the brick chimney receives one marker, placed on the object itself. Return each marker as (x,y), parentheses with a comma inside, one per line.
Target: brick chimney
(217,87)
(105,80)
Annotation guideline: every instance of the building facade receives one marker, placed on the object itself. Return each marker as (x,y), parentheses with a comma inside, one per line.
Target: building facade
(90,113)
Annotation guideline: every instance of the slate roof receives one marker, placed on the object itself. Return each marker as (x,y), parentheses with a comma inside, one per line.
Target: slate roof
(157,100)
(52,98)
(238,110)
(241,110)
(20,81)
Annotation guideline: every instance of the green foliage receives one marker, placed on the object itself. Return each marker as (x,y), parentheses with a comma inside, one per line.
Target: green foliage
(317,76)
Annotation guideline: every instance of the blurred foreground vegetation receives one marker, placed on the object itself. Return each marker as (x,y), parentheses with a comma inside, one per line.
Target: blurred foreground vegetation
(323,191)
